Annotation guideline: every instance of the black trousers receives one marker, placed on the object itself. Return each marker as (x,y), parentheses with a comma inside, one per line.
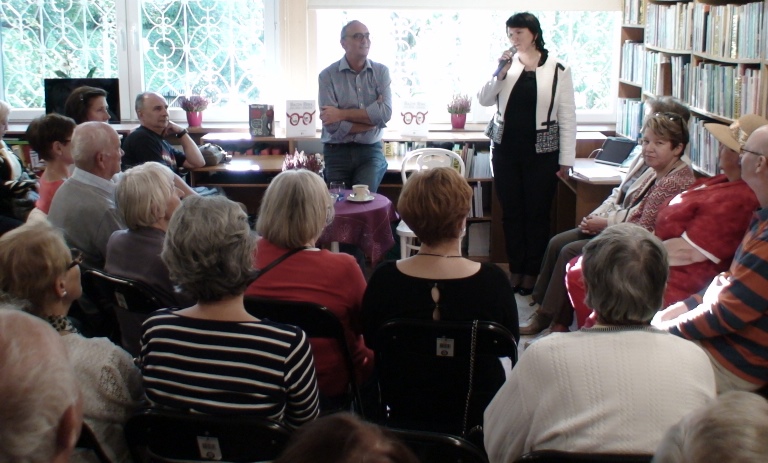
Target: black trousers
(525,186)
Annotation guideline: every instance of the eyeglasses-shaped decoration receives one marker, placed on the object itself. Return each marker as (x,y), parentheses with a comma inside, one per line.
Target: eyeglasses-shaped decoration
(77,258)
(294,118)
(409,117)
(670,117)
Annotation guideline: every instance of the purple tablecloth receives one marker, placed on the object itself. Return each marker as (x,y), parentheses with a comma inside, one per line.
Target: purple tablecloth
(366,225)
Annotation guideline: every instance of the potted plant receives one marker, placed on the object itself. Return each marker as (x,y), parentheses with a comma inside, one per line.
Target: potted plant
(194,106)
(459,106)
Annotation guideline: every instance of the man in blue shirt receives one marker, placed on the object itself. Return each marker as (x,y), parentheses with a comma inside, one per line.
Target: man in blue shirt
(355,105)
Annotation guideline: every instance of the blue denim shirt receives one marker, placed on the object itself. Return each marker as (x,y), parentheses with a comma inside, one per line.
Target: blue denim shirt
(342,87)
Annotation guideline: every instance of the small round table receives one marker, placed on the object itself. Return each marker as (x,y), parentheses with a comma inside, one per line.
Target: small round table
(366,225)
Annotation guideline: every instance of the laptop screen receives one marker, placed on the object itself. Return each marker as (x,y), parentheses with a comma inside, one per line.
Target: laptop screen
(615,150)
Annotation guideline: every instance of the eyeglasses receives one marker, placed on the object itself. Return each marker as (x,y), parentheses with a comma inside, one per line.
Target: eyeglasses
(669,116)
(77,258)
(744,150)
(409,117)
(294,118)
(360,36)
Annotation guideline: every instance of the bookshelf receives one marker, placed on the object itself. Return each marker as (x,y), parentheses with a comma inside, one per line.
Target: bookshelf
(711,54)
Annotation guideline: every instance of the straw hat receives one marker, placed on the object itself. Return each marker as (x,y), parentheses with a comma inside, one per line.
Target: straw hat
(735,135)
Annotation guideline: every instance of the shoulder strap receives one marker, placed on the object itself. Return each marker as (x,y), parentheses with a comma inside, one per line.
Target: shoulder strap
(274,263)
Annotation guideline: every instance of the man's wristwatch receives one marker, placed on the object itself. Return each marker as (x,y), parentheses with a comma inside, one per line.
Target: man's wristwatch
(182,133)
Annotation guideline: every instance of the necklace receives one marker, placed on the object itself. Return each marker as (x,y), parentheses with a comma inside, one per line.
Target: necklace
(433,255)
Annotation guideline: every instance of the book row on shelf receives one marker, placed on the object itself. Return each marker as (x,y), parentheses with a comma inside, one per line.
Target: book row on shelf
(728,31)
(669,25)
(632,62)
(630,113)
(721,90)
(704,148)
(634,13)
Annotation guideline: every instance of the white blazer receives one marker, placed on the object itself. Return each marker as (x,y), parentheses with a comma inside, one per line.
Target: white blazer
(563,107)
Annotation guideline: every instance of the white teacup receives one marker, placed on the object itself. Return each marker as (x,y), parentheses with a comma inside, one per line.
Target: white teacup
(361,191)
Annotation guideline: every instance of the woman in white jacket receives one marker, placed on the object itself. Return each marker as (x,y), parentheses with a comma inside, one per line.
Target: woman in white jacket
(536,140)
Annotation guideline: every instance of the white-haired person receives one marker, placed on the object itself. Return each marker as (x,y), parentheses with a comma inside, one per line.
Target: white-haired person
(146,198)
(294,211)
(41,411)
(214,357)
(43,274)
(615,387)
(731,429)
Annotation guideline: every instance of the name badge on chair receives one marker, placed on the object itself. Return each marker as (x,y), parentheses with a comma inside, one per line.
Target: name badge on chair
(444,347)
(209,448)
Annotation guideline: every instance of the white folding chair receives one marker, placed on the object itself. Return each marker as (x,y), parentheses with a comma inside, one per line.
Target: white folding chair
(418,160)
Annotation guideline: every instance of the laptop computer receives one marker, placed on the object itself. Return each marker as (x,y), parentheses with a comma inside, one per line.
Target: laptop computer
(615,151)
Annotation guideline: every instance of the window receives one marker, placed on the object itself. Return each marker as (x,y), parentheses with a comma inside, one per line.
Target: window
(434,54)
(217,48)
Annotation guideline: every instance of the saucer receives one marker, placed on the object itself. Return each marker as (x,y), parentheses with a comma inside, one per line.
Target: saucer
(352,197)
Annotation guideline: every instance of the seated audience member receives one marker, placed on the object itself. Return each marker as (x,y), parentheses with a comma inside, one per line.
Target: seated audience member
(702,226)
(294,211)
(41,413)
(732,429)
(17,185)
(147,143)
(729,321)
(214,357)
(344,438)
(665,136)
(87,104)
(51,137)
(84,206)
(44,275)
(438,283)
(613,388)
(146,198)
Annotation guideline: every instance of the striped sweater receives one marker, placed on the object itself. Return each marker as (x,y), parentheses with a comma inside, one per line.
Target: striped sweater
(731,319)
(219,367)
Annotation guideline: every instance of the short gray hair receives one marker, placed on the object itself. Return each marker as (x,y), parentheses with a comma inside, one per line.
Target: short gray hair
(295,209)
(38,385)
(731,429)
(88,140)
(344,29)
(143,193)
(209,248)
(625,272)
(139,102)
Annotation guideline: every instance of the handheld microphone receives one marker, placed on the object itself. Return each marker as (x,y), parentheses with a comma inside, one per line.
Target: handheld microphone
(504,62)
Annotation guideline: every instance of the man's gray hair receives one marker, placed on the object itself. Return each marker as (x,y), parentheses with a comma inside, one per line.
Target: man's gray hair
(625,271)
(37,386)
(89,139)
(344,29)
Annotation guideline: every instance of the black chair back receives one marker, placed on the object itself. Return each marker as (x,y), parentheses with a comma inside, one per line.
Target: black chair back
(430,378)
(555,456)
(166,435)
(317,322)
(433,447)
(131,302)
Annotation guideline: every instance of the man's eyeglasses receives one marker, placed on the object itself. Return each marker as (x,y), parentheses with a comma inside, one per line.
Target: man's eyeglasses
(77,258)
(360,36)
(744,150)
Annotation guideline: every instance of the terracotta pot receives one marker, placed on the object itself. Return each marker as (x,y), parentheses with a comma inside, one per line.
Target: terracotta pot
(458,120)
(195,118)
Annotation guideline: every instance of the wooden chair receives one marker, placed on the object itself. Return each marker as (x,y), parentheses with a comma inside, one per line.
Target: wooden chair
(131,302)
(440,375)
(434,447)
(423,158)
(167,435)
(556,456)
(317,322)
